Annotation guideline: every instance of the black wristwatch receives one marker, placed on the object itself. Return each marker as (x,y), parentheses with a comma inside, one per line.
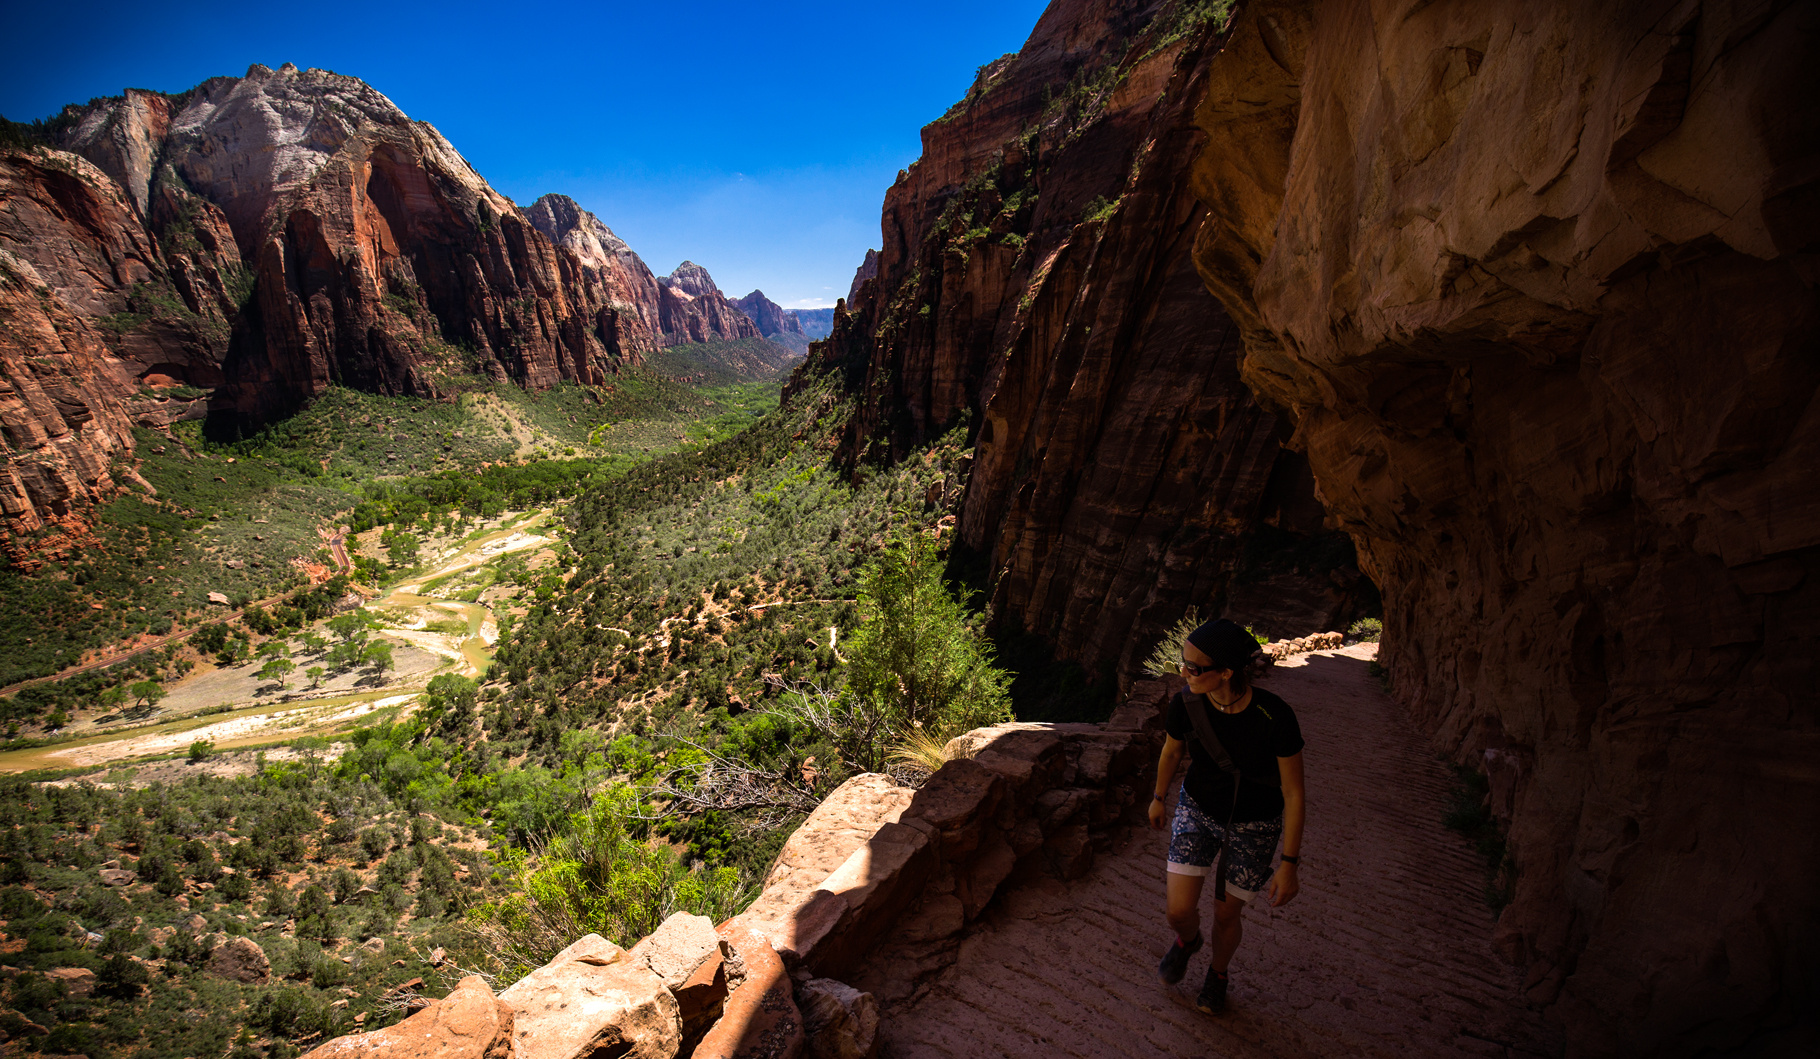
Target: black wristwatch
(1287,859)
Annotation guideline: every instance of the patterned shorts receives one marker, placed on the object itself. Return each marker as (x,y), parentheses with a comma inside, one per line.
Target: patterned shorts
(1197,838)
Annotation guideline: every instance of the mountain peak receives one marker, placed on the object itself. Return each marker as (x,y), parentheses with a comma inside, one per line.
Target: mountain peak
(563,222)
(693,280)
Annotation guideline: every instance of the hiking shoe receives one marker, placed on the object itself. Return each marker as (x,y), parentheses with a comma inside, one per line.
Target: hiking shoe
(1175,961)
(1213,993)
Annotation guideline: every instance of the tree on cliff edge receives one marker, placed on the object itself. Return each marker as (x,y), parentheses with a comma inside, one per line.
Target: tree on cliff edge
(915,656)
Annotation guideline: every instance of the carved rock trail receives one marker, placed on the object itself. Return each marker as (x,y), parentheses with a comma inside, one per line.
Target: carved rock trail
(1386,951)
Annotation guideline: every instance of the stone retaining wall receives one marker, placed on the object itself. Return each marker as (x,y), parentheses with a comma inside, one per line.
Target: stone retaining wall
(875,888)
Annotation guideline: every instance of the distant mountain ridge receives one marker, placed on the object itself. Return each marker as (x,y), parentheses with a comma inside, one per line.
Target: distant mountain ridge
(774,321)
(266,237)
(816,323)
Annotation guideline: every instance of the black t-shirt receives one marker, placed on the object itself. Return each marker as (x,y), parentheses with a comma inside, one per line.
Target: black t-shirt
(1254,738)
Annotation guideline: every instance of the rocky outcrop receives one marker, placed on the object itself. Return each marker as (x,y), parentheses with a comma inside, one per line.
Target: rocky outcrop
(469,1023)
(594,998)
(762,1020)
(1036,281)
(694,310)
(1536,286)
(691,960)
(773,322)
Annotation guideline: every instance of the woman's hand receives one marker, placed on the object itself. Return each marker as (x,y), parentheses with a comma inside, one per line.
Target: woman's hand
(1283,886)
(1159,813)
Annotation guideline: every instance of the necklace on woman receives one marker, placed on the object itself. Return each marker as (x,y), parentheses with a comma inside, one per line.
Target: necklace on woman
(1225,707)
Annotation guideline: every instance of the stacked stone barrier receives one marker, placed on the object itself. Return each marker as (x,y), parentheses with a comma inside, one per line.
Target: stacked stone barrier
(876,887)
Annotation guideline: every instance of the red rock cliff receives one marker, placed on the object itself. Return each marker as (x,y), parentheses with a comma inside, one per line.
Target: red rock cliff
(1536,285)
(266,237)
(94,320)
(1037,275)
(694,309)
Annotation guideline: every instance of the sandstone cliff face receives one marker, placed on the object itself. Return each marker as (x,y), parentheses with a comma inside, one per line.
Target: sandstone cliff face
(265,237)
(1537,287)
(1037,275)
(345,244)
(92,325)
(693,309)
(631,286)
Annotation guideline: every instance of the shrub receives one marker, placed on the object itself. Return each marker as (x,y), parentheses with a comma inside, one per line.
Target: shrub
(916,655)
(599,876)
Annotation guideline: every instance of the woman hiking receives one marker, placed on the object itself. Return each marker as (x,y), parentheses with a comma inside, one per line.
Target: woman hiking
(1243,792)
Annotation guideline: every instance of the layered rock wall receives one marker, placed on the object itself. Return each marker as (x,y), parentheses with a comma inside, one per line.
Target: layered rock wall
(693,309)
(1036,280)
(1535,284)
(92,324)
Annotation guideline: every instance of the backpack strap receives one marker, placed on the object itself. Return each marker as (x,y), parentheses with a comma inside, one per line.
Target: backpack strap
(1203,730)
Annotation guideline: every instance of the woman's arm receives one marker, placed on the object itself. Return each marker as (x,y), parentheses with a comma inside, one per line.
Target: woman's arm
(1285,883)
(1165,775)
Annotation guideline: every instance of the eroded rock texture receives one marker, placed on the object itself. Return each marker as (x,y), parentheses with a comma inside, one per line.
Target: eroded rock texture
(90,316)
(1536,285)
(1037,275)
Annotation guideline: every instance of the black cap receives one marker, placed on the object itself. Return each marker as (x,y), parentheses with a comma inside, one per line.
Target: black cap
(1225,642)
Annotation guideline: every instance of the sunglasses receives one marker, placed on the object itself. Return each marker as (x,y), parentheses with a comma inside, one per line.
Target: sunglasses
(1194,671)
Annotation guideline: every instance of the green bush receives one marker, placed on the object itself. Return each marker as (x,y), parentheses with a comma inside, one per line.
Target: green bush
(601,875)
(916,655)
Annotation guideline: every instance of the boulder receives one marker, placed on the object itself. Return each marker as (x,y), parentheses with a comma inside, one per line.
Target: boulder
(77,981)
(690,959)
(594,998)
(240,960)
(761,1020)
(839,1021)
(469,1023)
(118,877)
(842,823)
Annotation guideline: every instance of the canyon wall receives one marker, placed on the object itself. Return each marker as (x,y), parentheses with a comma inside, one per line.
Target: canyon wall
(258,239)
(1036,281)
(97,324)
(1536,286)
(694,309)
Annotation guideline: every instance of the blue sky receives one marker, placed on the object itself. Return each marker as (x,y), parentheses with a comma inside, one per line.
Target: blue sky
(756,140)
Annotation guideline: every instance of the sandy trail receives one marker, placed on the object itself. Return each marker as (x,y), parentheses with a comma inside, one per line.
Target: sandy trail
(1385,952)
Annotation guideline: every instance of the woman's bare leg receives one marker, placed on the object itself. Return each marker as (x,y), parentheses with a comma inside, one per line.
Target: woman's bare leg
(1184,905)
(1227,929)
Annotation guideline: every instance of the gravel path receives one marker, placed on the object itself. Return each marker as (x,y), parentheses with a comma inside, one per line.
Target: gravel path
(1384,953)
